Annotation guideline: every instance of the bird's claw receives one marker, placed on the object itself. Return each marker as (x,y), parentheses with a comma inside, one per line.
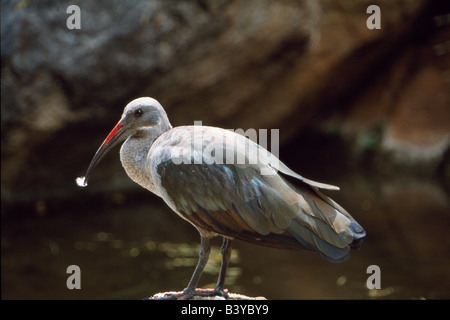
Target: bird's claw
(189,294)
(211,292)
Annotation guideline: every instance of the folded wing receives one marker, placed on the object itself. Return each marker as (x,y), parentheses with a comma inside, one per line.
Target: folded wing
(238,201)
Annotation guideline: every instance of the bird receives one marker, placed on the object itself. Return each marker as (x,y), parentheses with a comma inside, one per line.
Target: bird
(228,186)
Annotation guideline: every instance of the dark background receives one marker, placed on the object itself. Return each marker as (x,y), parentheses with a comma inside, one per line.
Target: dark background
(367,110)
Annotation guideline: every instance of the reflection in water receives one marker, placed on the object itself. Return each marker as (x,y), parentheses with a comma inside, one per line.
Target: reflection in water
(132,249)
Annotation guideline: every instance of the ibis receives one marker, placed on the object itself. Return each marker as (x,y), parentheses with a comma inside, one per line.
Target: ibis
(228,186)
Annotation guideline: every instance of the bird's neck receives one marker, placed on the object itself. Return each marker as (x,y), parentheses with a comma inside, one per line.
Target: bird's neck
(134,155)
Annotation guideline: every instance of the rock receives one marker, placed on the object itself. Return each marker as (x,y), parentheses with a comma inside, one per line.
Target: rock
(292,65)
(408,102)
(231,296)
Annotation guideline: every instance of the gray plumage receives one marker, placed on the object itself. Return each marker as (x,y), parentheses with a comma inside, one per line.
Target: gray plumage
(227,185)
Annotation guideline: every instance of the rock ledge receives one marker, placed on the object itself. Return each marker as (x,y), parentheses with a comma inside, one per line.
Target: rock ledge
(231,296)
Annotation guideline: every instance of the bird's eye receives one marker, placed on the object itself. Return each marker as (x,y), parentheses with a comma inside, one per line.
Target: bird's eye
(138,113)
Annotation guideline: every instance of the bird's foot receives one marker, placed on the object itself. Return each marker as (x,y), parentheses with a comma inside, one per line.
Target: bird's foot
(189,294)
(181,295)
(212,292)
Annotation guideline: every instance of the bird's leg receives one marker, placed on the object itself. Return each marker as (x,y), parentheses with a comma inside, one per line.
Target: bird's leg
(190,291)
(203,259)
(226,255)
(218,290)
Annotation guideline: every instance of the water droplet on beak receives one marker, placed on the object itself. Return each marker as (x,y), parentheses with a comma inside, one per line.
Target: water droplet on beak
(81,182)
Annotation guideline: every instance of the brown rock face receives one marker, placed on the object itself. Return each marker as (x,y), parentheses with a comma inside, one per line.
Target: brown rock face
(291,65)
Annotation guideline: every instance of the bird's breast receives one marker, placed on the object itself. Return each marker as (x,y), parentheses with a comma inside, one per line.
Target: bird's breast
(134,159)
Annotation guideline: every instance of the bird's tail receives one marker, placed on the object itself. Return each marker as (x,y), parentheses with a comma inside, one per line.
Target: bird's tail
(326,227)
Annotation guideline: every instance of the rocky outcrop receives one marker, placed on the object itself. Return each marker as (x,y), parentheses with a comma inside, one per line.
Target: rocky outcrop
(292,65)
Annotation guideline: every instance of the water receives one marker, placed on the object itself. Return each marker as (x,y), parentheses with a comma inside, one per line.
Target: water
(130,246)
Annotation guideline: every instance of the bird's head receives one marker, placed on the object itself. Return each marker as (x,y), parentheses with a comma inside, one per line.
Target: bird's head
(141,118)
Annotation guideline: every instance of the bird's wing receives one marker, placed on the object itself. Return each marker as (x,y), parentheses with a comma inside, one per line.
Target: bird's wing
(237,200)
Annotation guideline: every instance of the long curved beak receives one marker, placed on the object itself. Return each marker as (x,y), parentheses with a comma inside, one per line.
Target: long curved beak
(117,135)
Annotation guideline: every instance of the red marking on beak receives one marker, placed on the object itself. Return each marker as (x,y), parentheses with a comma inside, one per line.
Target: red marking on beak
(112,133)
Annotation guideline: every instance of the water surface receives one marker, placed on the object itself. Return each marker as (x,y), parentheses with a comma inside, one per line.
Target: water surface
(130,246)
